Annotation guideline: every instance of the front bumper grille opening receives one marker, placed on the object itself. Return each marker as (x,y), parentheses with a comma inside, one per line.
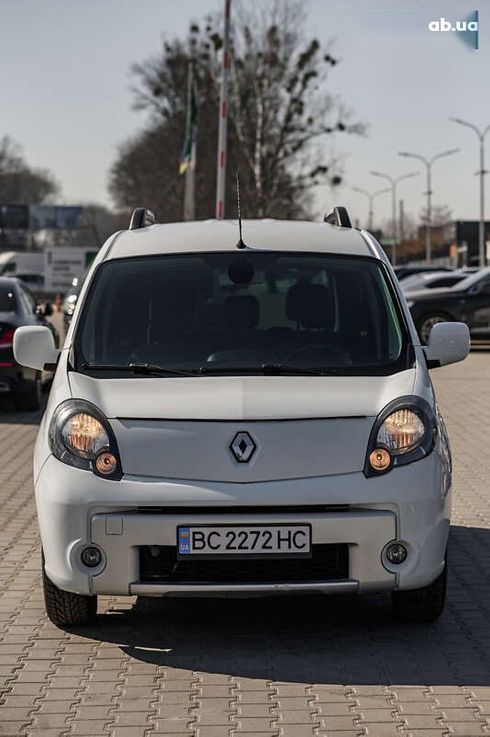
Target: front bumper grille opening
(159,564)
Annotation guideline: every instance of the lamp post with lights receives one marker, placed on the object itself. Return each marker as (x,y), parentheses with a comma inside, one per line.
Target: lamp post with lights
(371,197)
(481,133)
(393,182)
(428,166)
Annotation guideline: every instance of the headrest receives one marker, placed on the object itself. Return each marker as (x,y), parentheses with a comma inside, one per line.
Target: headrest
(310,305)
(242,312)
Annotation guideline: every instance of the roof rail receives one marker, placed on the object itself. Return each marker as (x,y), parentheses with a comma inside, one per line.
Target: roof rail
(339,216)
(140,218)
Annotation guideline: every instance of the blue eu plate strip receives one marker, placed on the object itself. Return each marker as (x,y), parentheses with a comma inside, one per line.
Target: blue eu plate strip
(184,540)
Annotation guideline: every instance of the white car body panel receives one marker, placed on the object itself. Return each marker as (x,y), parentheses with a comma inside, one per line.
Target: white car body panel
(243,398)
(173,436)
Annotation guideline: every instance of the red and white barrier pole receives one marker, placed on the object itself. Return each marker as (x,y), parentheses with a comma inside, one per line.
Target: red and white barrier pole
(223,119)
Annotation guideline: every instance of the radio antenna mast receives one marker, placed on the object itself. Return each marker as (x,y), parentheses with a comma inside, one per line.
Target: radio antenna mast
(240,243)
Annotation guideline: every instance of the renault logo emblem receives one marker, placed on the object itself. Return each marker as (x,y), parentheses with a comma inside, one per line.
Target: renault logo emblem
(243,447)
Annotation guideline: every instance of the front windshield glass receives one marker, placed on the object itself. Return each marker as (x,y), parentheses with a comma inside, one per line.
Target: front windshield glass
(473,279)
(8,302)
(242,310)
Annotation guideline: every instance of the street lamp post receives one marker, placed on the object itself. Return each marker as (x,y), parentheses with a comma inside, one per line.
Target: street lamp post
(428,166)
(371,197)
(393,182)
(481,133)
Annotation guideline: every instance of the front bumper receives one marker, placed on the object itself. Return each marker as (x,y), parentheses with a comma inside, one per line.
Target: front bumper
(121,536)
(76,508)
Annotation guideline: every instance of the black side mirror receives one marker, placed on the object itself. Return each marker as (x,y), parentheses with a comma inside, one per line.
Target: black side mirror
(48,309)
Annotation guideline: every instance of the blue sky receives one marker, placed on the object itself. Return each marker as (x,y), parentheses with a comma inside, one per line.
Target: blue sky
(66,94)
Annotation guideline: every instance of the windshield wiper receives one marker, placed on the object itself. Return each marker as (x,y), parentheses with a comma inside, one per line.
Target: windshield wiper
(267,369)
(138,368)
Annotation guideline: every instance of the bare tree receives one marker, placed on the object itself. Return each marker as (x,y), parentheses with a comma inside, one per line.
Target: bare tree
(19,183)
(280,114)
(440,215)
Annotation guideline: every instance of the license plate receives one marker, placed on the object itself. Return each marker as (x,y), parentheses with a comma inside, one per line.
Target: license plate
(291,540)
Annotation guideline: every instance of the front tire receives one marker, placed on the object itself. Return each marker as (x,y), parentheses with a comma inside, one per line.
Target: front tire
(427,322)
(66,609)
(421,605)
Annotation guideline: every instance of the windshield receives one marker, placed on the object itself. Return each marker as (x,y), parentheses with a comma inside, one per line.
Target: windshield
(227,311)
(8,303)
(473,279)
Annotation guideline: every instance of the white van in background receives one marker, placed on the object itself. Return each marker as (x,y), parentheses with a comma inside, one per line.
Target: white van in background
(14,262)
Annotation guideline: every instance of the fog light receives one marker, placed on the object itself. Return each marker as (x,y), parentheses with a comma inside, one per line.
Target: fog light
(106,463)
(379,459)
(396,553)
(91,557)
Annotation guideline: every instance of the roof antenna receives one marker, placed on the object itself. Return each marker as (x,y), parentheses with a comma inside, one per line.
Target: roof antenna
(240,243)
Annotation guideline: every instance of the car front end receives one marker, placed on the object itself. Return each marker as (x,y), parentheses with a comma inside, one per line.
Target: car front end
(242,422)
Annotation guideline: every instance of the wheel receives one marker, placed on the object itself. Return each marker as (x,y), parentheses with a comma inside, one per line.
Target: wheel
(66,609)
(426,323)
(31,399)
(421,605)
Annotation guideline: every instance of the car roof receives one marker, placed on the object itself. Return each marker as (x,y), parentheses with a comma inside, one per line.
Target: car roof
(6,281)
(222,235)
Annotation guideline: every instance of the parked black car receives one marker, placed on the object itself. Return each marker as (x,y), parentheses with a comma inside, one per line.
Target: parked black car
(19,307)
(468,301)
(402,272)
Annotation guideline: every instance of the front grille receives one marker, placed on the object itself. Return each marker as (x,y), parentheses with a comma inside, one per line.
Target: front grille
(159,564)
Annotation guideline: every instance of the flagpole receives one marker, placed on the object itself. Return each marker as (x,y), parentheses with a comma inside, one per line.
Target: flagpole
(189,191)
(223,118)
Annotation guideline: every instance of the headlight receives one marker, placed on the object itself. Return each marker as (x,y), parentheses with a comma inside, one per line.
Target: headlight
(83,435)
(401,431)
(401,434)
(80,436)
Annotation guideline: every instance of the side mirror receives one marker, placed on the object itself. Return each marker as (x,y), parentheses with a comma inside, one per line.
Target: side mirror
(48,309)
(34,347)
(449,342)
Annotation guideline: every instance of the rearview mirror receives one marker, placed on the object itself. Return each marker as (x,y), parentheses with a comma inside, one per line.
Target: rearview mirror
(34,347)
(449,342)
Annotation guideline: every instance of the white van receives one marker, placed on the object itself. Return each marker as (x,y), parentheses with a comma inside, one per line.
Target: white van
(242,418)
(13,262)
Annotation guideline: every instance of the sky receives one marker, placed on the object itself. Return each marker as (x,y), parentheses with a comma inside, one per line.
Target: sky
(66,91)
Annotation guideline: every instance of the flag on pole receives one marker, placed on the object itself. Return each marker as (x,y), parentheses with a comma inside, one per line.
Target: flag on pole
(188,157)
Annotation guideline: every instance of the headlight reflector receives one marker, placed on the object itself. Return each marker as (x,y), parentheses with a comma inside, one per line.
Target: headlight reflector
(81,436)
(401,431)
(84,435)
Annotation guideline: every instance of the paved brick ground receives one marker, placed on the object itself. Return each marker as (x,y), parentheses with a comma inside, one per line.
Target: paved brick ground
(288,668)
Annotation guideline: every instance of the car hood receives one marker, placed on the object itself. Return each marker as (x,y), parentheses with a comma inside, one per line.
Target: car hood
(242,398)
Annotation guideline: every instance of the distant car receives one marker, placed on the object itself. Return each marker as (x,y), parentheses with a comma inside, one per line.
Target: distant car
(70,301)
(468,301)
(432,280)
(32,280)
(403,272)
(19,307)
